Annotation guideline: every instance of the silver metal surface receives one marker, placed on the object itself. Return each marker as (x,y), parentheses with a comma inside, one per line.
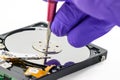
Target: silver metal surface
(22,42)
(103,58)
(0,40)
(52,49)
(5,64)
(48,38)
(2,46)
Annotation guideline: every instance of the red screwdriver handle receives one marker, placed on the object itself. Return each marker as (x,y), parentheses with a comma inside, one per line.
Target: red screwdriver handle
(51,10)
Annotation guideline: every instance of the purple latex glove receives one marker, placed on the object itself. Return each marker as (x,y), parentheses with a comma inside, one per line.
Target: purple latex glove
(83,21)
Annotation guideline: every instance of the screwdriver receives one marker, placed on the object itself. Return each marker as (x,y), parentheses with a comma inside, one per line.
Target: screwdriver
(50,16)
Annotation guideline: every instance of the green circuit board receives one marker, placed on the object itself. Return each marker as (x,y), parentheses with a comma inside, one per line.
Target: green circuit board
(4,76)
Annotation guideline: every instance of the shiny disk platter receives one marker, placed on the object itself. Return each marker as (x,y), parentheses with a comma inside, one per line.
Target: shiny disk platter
(27,42)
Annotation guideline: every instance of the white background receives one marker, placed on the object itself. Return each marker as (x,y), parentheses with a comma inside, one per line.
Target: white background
(19,13)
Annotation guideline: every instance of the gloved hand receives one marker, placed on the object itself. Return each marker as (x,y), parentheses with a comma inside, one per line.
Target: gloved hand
(83,21)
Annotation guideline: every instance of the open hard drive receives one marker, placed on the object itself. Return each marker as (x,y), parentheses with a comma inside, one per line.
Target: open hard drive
(22,55)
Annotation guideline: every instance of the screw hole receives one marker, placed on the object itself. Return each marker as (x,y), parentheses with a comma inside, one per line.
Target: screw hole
(44,49)
(57,46)
(40,42)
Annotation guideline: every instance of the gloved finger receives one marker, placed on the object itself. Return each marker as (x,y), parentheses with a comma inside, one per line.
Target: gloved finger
(69,64)
(87,31)
(66,19)
(55,0)
(53,62)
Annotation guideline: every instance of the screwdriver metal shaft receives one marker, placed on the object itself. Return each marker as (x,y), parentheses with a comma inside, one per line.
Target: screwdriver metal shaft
(51,13)
(48,36)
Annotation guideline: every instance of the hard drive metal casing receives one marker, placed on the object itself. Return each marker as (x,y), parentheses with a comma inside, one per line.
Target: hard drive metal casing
(97,54)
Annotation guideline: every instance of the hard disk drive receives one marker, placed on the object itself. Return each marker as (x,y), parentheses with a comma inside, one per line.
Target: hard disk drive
(22,55)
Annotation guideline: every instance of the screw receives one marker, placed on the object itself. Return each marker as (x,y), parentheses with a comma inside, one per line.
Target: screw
(103,58)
